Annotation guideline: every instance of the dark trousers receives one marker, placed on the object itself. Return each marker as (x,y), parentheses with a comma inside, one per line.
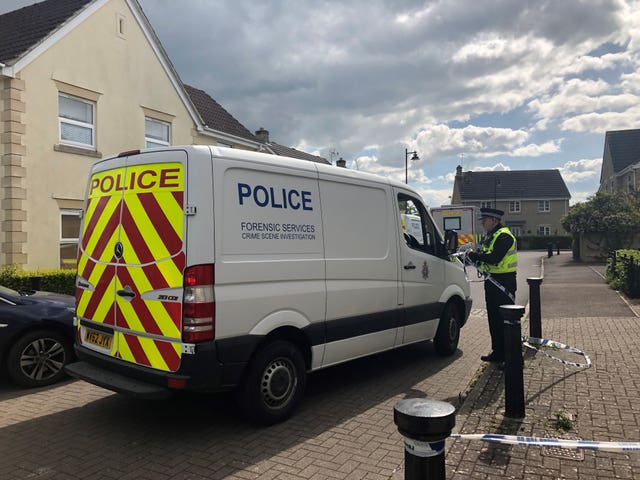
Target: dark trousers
(494,297)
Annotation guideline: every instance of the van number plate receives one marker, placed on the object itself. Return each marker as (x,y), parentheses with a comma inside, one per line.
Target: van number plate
(100,339)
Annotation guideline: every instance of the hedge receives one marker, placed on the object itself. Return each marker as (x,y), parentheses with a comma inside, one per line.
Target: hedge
(540,242)
(54,280)
(623,272)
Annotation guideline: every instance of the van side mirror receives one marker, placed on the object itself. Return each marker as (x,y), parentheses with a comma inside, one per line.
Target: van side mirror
(451,241)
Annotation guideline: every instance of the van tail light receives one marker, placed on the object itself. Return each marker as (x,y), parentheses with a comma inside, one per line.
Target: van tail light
(198,304)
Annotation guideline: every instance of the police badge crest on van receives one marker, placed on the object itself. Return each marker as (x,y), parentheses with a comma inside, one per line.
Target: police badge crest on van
(207,269)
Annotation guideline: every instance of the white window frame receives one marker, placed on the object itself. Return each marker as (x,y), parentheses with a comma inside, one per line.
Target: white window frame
(69,121)
(486,204)
(544,230)
(156,142)
(544,206)
(516,231)
(514,206)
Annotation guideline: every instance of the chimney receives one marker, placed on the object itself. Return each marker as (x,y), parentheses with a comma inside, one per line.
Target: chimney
(341,162)
(458,170)
(263,135)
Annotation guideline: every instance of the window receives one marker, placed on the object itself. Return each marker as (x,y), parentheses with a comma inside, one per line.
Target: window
(487,204)
(419,232)
(452,223)
(156,133)
(514,206)
(77,121)
(544,206)
(516,231)
(69,235)
(544,230)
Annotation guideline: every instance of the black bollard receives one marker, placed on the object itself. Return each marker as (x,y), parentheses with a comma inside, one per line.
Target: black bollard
(549,250)
(535,317)
(557,249)
(425,425)
(513,377)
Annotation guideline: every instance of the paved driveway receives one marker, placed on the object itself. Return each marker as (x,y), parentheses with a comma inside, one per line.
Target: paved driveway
(343,430)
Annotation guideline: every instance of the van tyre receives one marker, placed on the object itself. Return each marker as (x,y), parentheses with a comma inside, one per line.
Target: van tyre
(274,383)
(448,334)
(38,358)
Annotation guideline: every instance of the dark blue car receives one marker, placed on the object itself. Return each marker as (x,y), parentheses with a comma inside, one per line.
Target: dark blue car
(36,335)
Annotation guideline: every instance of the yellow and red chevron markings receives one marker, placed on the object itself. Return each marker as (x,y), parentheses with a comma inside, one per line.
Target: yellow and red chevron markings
(465,238)
(149,224)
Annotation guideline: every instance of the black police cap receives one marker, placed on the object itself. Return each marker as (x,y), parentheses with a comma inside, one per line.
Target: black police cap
(491,213)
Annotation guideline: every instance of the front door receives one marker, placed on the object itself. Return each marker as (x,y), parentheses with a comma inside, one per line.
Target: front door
(422,271)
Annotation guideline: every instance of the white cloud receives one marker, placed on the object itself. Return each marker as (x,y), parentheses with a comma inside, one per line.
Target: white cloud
(587,63)
(601,122)
(580,196)
(498,167)
(579,102)
(436,197)
(449,178)
(439,141)
(581,170)
(495,80)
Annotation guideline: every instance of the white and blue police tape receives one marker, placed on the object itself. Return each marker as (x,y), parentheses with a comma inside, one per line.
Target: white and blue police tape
(551,442)
(534,343)
(423,449)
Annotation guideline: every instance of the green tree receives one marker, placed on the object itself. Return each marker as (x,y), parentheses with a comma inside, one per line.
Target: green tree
(610,214)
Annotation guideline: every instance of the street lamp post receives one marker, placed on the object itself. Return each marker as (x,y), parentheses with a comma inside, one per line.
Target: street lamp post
(406,162)
(496,184)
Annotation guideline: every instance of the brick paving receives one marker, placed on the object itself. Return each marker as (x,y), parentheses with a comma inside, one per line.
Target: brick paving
(601,402)
(345,429)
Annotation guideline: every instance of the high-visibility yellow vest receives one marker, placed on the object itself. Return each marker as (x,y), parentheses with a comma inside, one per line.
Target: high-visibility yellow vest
(509,263)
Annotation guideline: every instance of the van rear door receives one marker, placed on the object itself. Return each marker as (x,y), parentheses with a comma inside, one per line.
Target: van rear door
(131,259)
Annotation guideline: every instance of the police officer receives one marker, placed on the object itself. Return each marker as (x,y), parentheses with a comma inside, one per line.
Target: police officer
(499,258)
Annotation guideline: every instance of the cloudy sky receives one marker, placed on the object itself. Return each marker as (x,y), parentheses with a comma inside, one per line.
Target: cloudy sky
(490,85)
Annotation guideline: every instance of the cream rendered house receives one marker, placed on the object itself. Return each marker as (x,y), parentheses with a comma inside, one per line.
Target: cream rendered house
(80,80)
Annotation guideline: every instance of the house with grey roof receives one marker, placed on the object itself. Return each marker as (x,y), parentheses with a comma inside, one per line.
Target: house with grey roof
(533,200)
(621,161)
(215,117)
(80,80)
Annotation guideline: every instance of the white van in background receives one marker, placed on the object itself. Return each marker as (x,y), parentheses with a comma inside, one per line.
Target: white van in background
(205,268)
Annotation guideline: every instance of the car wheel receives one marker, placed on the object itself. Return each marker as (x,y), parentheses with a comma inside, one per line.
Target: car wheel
(274,383)
(38,358)
(448,333)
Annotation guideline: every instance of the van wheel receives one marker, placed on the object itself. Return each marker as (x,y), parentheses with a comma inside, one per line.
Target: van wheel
(274,383)
(448,334)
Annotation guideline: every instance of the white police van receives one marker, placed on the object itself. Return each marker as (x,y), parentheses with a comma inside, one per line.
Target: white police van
(204,268)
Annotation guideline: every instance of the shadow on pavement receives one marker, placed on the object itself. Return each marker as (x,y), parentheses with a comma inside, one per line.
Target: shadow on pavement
(120,437)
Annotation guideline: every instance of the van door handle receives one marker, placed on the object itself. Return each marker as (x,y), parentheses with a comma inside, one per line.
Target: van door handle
(411,266)
(126,293)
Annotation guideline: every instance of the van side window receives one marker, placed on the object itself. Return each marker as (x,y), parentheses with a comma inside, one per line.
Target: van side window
(417,228)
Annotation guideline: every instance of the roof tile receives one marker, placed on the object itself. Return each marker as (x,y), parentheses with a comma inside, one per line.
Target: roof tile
(23,29)
(215,116)
(624,148)
(513,184)
(294,153)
